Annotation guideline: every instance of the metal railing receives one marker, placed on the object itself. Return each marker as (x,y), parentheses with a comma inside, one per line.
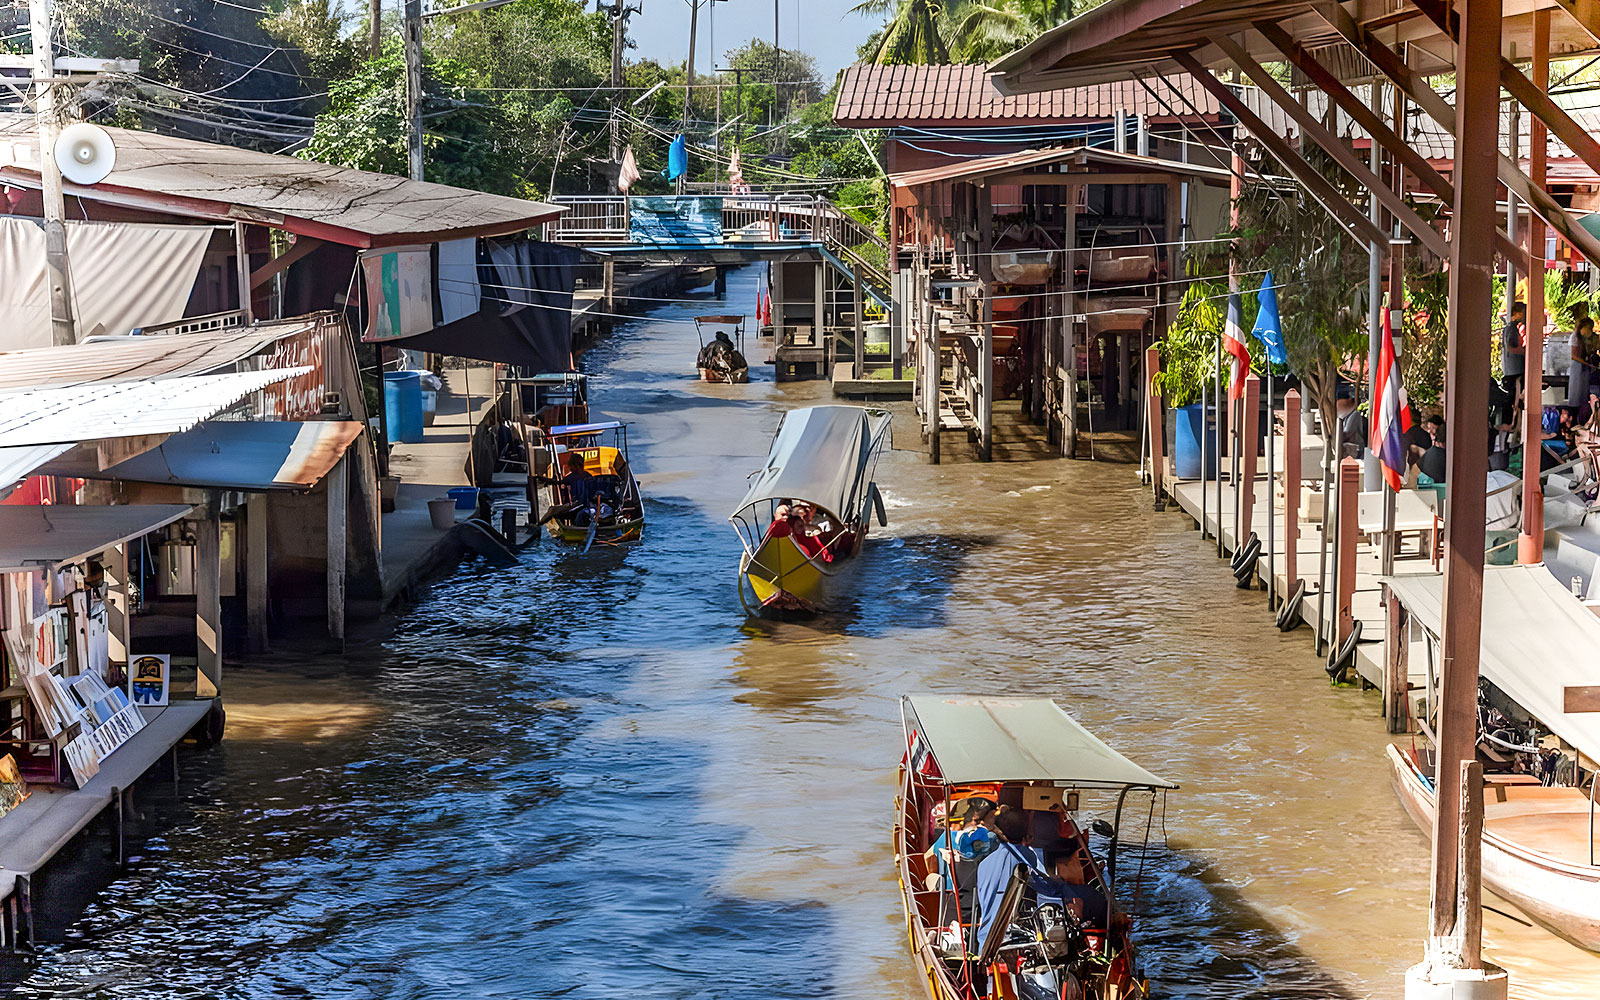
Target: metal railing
(747,217)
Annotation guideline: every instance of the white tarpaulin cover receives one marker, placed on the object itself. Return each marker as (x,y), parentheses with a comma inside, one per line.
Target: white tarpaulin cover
(123,276)
(1538,640)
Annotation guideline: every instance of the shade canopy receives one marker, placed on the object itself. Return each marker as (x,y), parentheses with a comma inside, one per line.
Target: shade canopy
(1019,739)
(35,537)
(823,454)
(574,430)
(1538,641)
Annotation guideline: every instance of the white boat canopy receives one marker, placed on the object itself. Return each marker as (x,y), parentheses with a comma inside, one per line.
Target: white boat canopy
(823,454)
(1538,644)
(1019,739)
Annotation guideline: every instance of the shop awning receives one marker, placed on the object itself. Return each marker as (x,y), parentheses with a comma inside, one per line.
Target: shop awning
(70,414)
(1019,739)
(35,537)
(124,359)
(253,456)
(1079,163)
(1538,643)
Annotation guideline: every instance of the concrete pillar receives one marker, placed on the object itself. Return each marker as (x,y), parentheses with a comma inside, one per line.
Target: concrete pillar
(338,487)
(1291,490)
(860,321)
(1349,495)
(257,608)
(609,283)
(208,602)
(897,322)
(1158,437)
(819,306)
(985,412)
(1247,458)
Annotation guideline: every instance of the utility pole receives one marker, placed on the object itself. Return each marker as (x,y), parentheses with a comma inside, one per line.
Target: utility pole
(619,13)
(47,117)
(688,87)
(413,39)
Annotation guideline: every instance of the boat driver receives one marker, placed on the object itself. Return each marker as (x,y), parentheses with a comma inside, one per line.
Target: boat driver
(579,484)
(994,871)
(718,351)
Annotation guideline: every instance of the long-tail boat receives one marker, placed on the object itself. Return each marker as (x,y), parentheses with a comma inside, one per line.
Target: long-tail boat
(1047,922)
(807,511)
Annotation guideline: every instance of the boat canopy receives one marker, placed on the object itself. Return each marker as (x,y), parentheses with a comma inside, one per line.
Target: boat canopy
(574,430)
(730,320)
(1538,644)
(1020,739)
(823,454)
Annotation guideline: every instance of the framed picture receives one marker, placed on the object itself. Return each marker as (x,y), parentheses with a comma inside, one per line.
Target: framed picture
(148,678)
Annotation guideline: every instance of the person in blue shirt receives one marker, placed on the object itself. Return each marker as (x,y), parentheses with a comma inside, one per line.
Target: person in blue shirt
(579,484)
(972,837)
(994,871)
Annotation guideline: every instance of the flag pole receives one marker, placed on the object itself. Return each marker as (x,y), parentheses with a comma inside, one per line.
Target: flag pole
(1272,500)
(1222,427)
(1205,465)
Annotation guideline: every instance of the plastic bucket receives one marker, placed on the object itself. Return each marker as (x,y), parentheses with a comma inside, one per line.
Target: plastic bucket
(442,512)
(466,497)
(1190,424)
(402,404)
(430,407)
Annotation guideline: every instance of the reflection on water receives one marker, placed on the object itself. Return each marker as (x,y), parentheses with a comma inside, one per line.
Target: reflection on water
(590,776)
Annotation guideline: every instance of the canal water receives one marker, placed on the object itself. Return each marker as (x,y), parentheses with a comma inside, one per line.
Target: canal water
(592,777)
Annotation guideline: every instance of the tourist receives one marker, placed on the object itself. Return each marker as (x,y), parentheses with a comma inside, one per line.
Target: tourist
(1431,466)
(1513,362)
(1582,365)
(1352,424)
(1087,905)
(973,839)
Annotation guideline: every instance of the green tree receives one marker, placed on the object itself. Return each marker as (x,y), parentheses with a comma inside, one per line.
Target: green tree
(913,34)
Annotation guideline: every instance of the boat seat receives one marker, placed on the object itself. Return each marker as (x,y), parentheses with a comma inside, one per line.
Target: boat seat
(965,874)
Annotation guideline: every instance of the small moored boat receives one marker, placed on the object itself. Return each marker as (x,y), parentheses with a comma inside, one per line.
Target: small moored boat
(1039,918)
(607,509)
(807,511)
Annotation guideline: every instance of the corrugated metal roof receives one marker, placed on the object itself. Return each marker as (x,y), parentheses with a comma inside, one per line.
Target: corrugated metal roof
(250,455)
(123,359)
(32,537)
(990,166)
(69,414)
(884,96)
(210,181)
(17,464)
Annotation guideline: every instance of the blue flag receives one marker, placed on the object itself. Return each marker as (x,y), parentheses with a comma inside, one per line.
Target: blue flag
(1268,329)
(677,159)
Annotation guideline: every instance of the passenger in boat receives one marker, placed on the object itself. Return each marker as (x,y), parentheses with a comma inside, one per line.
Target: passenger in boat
(808,535)
(718,353)
(974,839)
(994,871)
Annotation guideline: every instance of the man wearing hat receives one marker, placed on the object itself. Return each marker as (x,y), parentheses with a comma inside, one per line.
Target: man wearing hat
(968,835)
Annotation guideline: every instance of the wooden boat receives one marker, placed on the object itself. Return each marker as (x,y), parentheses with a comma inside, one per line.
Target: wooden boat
(807,511)
(729,364)
(1535,844)
(1026,754)
(614,515)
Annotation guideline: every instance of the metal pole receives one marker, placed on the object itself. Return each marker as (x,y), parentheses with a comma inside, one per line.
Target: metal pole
(1530,544)
(1272,499)
(1370,477)
(413,44)
(694,31)
(1205,451)
(48,121)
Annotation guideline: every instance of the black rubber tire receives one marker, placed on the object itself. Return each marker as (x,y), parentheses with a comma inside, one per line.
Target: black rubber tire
(1289,610)
(1345,658)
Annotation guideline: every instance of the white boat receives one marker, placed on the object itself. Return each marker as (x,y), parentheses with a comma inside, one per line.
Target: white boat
(1535,846)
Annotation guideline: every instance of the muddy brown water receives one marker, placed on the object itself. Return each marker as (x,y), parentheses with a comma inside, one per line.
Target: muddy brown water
(591,776)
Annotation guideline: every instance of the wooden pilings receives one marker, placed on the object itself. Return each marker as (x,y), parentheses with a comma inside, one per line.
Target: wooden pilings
(1245,491)
(1158,436)
(1291,490)
(1345,547)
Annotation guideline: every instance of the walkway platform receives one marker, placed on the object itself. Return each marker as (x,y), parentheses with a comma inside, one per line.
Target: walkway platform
(47,821)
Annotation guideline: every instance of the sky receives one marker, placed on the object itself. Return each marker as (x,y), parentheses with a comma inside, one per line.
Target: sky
(827,30)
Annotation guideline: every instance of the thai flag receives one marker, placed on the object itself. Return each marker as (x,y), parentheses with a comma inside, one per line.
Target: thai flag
(1391,416)
(1233,343)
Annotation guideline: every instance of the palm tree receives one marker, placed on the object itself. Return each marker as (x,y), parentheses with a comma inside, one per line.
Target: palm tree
(984,30)
(911,36)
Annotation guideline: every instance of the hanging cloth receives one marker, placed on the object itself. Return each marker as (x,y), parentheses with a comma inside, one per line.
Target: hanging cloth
(629,171)
(677,158)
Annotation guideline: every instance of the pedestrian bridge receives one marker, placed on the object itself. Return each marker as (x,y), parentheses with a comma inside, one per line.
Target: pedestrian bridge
(722,229)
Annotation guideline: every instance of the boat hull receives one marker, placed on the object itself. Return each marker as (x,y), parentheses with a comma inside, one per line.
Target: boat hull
(738,376)
(620,533)
(783,578)
(1562,896)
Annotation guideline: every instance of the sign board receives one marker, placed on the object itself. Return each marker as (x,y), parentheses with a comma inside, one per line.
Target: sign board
(399,292)
(149,677)
(12,788)
(675,221)
(298,398)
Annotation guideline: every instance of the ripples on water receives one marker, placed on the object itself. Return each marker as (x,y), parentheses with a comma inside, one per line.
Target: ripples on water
(590,776)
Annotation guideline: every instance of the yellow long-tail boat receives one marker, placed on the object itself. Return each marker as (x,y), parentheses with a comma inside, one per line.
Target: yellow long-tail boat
(807,511)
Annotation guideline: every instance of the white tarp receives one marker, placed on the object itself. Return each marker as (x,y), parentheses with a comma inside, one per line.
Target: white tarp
(124,275)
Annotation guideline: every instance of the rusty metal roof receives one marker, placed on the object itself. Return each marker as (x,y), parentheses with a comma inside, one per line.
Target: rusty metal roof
(31,537)
(250,455)
(1086,159)
(124,359)
(884,96)
(203,180)
(1120,38)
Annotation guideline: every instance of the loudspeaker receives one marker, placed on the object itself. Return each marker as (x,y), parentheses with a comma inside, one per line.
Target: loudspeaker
(85,153)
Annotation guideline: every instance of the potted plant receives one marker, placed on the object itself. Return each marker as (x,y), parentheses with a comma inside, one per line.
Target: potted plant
(1188,360)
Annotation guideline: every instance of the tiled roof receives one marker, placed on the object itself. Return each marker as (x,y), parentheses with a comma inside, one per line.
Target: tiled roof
(884,96)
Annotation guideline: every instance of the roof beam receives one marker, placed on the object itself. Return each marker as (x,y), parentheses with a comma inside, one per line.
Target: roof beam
(1330,143)
(266,272)
(1435,107)
(1356,224)
(1586,13)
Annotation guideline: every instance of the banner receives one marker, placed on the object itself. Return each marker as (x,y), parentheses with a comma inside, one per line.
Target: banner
(399,292)
(675,221)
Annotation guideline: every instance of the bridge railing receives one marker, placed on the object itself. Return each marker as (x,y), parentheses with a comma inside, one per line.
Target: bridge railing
(769,217)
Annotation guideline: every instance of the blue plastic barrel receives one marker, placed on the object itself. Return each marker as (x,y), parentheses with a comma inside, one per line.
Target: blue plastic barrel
(402,404)
(1191,423)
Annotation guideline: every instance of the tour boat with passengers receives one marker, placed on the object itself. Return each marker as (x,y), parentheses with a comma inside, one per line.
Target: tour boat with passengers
(807,511)
(1006,893)
(601,505)
(721,358)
